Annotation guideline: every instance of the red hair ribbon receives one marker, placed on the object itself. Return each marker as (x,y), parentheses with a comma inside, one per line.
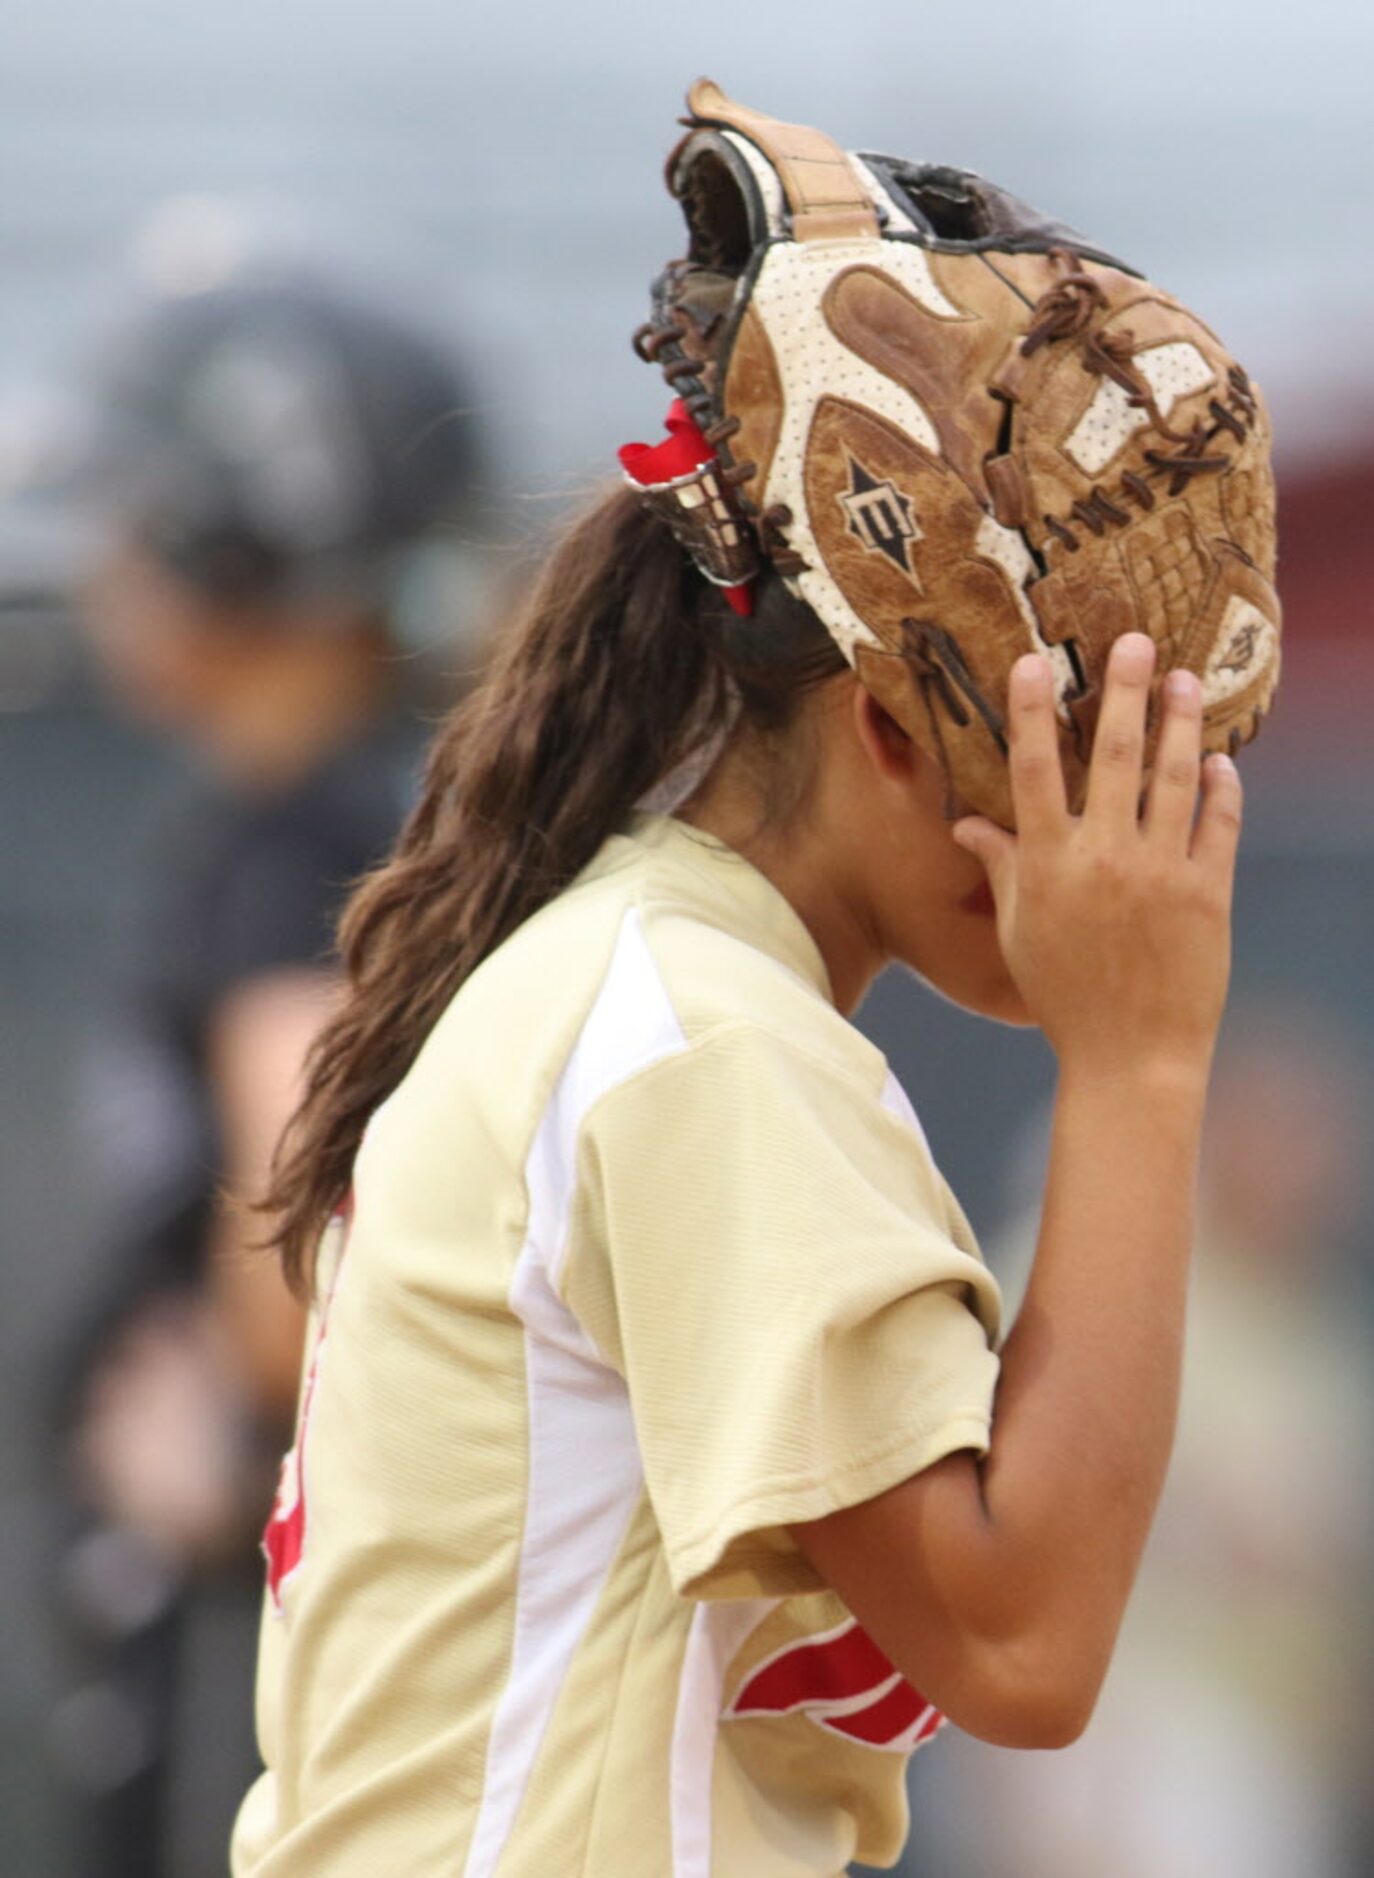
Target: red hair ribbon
(673,462)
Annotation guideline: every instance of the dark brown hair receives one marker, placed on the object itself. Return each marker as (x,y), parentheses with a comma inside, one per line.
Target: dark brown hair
(620,659)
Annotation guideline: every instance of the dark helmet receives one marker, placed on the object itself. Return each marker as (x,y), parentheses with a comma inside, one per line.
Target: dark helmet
(278,439)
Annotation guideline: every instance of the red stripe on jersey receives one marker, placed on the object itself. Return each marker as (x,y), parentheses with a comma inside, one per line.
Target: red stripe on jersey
(831,1669)
(882,1721)
(827,1678)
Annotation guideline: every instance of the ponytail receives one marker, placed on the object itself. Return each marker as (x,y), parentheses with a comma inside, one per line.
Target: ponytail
(621,659)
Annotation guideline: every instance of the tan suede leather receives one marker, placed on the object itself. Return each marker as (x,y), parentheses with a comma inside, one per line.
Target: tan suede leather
(960,443)
(753,389)
(825,197)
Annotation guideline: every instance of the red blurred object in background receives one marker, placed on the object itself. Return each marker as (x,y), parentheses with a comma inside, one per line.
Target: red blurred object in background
(1326,560)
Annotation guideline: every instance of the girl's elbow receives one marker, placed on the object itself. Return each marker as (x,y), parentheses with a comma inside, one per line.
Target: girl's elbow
(1026,1699)
(1043,1719)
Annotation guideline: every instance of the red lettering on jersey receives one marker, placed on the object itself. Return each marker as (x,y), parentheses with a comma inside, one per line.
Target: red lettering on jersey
(841,1681)
(283,1537)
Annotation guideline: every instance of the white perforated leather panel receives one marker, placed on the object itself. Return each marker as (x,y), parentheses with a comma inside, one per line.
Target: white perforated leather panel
(813,363)
(890,215)
(1172,371)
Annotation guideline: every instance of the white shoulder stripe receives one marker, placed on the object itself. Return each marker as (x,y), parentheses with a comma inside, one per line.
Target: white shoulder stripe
(575,1515)
(897,1102)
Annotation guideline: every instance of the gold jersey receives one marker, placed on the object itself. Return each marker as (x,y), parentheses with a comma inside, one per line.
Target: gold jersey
(646,1260)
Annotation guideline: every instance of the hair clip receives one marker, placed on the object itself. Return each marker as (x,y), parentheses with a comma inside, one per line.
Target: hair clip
(680,481)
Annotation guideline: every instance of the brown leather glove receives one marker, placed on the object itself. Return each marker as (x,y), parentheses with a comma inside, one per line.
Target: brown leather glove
(961,432)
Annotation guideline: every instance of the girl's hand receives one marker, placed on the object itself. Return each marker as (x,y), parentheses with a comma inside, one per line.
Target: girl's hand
(1116,925)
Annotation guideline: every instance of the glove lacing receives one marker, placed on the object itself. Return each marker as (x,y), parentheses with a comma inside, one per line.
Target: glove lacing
(1064,311)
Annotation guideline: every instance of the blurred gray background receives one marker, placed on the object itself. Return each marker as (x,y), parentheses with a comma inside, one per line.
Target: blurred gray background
(498,169)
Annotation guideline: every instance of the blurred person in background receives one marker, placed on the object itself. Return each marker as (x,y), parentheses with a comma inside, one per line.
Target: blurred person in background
(266,460)
(1232,1733)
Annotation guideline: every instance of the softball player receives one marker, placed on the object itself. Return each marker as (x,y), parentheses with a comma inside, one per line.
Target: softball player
(646,1509)
(248,472)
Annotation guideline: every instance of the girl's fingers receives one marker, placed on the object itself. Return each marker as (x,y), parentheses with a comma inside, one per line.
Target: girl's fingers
(1037,775)
(1218,822)
(1114,777)
(1178,761)
(992,845)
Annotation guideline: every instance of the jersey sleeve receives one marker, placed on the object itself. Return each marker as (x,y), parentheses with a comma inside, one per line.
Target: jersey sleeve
(768,1255)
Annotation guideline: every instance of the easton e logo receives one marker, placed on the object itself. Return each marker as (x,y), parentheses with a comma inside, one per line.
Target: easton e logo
(879,515)
(841,1681)
(1240,651)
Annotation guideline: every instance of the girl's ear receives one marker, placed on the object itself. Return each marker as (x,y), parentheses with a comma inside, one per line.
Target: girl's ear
(886,745)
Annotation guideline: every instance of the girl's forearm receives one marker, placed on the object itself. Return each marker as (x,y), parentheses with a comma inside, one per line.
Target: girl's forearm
(1090,1376)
